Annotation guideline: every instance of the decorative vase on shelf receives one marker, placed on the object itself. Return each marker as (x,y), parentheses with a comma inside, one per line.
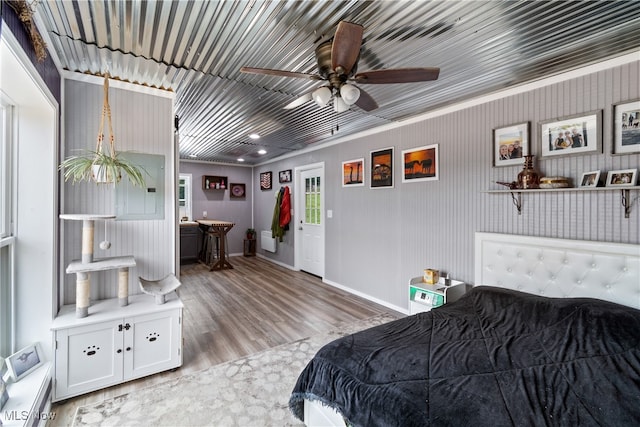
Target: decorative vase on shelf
(528,178)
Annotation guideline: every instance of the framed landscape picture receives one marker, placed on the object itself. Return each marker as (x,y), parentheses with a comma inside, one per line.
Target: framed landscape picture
(382,168)
(353,173)
(420,164)
(510,144)
(577,134)
(626,127)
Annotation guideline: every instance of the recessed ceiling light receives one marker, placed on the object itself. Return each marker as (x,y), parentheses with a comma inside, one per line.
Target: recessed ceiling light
(254,136)
(241,159)
(262,151)
(193,156)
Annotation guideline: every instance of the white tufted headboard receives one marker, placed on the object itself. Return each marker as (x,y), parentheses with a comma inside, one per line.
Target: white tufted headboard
(559,267)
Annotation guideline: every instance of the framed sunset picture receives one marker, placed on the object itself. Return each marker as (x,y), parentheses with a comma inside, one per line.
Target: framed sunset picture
(382,168)
(420,164)
(353,173)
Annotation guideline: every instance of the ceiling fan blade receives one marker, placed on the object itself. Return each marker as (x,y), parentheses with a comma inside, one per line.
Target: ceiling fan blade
(346,46)
(299,101)
(366,102)
(280,73)
(398,75)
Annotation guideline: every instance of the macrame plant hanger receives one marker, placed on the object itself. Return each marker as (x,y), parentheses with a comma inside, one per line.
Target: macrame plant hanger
(100,173)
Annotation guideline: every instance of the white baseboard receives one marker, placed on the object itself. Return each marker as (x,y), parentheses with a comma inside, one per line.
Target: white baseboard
(345,288)
(281,264)
(367,297)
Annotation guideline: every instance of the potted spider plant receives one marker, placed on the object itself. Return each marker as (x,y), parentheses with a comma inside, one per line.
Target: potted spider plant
(100,165)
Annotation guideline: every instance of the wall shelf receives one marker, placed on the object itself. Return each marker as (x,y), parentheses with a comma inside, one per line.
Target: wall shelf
(214,182)
(625,193)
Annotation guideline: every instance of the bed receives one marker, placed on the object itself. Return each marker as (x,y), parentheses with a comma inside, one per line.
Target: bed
(549,335)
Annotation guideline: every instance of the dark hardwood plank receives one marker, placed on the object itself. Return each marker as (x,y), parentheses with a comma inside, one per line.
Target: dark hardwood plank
(229,314)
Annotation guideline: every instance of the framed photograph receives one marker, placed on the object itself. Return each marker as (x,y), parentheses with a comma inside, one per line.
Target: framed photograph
(626,127)
(590,179)
(284,176)
(23,362)
(265,180)
(237,190)
(577,134)
(420,164)
(510,144)
(353,173)
(622,178)
(382,168)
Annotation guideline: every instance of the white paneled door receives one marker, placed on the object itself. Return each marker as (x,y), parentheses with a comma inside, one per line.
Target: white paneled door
(310,220)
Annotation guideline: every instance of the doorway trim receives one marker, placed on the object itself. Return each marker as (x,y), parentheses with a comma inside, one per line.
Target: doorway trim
(299,211)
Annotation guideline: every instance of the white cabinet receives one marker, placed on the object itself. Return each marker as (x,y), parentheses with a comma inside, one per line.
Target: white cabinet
(115,344)
(424,297)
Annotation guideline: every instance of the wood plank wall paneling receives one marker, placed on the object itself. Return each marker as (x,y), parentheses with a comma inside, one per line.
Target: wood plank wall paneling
(151,242)
(378,239)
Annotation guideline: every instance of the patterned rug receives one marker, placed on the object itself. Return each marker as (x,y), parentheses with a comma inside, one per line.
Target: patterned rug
(252,391)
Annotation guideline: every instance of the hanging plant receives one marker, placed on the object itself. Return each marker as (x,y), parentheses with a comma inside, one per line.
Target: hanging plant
(102,166)
(25,15)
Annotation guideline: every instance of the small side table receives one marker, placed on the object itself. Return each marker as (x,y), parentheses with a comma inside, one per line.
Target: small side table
(424,297)
(249,247)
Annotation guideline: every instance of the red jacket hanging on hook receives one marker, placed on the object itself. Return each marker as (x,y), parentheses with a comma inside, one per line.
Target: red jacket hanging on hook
(285,208)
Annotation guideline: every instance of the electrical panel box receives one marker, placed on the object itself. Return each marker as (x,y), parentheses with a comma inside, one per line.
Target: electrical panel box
(133,202)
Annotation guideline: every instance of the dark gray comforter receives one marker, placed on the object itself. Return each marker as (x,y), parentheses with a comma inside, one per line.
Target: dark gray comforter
(493,358)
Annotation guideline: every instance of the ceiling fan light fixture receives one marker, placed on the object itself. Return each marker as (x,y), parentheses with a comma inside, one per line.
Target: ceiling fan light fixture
(349,94)
(339,105)
(321,96)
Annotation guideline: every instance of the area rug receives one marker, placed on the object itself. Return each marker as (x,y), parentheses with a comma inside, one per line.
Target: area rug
(252,391)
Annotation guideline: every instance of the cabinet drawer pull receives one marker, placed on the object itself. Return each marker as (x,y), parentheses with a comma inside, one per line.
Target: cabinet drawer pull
(128,348)
(119,351)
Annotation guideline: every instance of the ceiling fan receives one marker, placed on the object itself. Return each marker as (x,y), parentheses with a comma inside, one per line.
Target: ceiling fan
(338,64)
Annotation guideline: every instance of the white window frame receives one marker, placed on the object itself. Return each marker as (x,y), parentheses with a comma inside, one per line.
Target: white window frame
(7,238)
(186,210)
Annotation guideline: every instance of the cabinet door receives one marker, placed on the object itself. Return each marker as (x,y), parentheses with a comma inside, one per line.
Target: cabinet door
(153,343)
(87,358)
(189,243)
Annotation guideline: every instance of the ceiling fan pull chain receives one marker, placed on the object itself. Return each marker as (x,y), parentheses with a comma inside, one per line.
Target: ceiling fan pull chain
(337,123)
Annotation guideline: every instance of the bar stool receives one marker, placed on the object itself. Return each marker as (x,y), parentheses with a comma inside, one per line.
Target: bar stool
(213,246)
(202,255)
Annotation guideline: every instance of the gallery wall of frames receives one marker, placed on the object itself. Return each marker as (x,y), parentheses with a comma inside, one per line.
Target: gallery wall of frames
(412,195)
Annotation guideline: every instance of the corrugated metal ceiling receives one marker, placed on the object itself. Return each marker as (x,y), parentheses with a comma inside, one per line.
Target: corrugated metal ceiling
(196,48)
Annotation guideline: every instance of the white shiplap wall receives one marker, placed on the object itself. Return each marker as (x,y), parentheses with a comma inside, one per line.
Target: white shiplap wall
(378,239)
(142,122)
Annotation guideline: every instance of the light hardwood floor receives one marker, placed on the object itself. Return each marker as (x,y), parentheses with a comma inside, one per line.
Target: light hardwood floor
(232,313)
